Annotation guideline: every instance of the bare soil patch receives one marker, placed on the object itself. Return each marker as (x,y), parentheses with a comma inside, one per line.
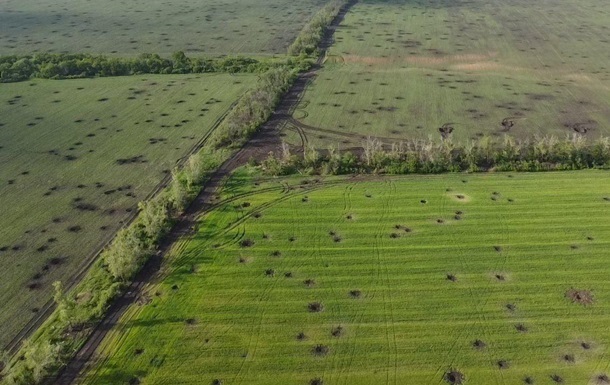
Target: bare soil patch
(320,350)
(583,297)
(454,377)
(479,344)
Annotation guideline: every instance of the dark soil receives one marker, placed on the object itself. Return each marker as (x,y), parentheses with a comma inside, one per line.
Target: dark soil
(583,297)
(320,350)
(521,328)
(246,243)
(315,307)
(337,331)
(557,379)
(479,344)
(569,358)
(602,379)
(454,377)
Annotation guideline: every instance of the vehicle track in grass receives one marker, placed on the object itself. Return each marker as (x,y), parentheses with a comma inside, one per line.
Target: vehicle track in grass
(266,140)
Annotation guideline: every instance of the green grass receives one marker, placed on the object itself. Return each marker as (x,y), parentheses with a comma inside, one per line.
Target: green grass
(156,120)
(402,69)
(214,317)
(127,28)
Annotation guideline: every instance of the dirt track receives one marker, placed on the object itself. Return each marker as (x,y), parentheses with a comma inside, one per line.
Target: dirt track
(265,141)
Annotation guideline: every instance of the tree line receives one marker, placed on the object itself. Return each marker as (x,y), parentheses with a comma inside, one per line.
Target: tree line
(310,37)
(547,153)
(16,68)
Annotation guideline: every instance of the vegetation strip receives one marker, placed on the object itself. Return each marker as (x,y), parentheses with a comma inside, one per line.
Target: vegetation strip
(308,41)
(70,66)
(429,157)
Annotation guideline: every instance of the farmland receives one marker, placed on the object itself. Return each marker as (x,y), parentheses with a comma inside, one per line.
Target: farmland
(483,278)
(77,156)
(404,69)
(127,28)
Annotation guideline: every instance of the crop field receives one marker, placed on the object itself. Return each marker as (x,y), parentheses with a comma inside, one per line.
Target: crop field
(476,279)
(77,156)
(409,69)
(126,28)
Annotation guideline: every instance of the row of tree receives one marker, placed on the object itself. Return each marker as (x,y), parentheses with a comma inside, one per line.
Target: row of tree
(308,40)
(254,107)
(428,157)
(65,66)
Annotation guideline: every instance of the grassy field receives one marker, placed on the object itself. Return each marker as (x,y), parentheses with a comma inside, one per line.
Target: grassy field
(126,28)
(77,156)
(403,69)
(496,277)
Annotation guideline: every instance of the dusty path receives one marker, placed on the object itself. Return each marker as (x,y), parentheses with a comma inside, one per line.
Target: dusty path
(265,141)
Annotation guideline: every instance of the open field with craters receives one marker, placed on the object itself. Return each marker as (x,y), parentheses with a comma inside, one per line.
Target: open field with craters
(77,156)
(128,28)
(474,279)
(461,69)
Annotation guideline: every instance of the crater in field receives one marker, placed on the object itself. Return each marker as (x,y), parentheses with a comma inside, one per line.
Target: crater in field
(320,350)
(479,344)
(459,197)
(315,307)
(454,377)
(602,379)
(583,297)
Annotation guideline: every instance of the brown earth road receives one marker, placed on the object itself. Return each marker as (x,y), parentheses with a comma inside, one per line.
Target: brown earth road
(265,141)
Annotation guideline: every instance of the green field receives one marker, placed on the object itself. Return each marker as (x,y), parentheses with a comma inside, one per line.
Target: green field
(402,69)
(480,274)
(77,156)
(255,27)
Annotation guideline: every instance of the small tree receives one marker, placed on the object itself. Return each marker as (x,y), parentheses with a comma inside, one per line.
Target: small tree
(125,255)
